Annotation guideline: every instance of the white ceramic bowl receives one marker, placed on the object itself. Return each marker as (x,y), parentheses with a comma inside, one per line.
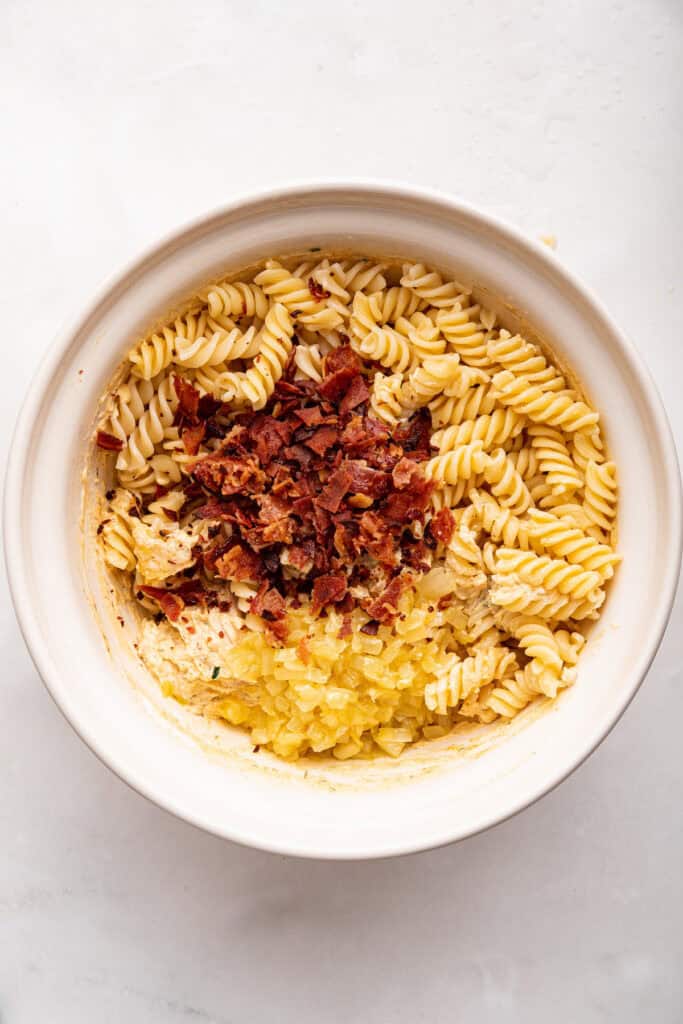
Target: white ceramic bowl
(212,778)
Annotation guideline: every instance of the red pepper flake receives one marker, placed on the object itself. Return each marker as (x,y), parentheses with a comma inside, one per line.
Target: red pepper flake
(317,290)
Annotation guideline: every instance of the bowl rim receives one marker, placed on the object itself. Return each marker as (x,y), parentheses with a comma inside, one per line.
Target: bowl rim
(148,256)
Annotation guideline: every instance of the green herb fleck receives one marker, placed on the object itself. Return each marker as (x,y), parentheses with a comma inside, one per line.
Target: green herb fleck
(216,672)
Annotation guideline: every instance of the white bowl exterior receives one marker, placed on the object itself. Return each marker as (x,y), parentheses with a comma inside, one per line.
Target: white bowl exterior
(285,811)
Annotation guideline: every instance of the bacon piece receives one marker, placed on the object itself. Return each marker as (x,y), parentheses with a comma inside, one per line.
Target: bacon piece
(170,603)
(343,358)
(291,389)
(322,439)
(214,509)
(188,397)
(279,532)
(414,554)
(361,433)
(236,441)
(225,475)
(107,442)
(269,603)
(336,385)
(403,473)
(239,563)
(208,406)
(311,416)
(333,492)
(192,592)
(358,392)
(365,480)
(327,590)
(342,365)
(192,437)
(300,556)
(415,434)
(345,542)
(377,539)
(269,435)
(272,508)
(404,507)
(297,453)
(442,525)
(385,607)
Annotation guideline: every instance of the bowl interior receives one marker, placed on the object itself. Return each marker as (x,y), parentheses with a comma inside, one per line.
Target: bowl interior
(207,773)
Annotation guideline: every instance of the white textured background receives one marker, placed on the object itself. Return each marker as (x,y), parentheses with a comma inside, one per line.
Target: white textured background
(117,122)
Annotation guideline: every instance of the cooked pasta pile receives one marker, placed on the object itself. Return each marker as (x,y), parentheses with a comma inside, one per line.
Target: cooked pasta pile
(353,510)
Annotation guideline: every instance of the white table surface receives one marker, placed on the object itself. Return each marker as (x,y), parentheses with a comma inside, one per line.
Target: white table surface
(120,121)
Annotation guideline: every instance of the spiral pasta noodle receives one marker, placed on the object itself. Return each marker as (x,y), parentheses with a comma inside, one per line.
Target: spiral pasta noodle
(460,463)
(149,428)
(458,680)
(220,347)
(430,286)
(506,483)
(601,494)
(117,539)
(256,384)
(237,300)
(491,429)
(558,410)
(513,353)
(466,334)
(554,459)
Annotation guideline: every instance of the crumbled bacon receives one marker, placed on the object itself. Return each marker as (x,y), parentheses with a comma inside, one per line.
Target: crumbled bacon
(268,603)
(365,480)
(311,495)
(188,397)
(332,494)
(414,435)
(322,439)
(376,539)
(192,437)
(300,556)
(358,392)
(269,435)
(385,607)
(171,604)
(442,525)
(108,442)
(403,472)
(327,590)
(208,407)
(225,475)
(239,563)
(311,416)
